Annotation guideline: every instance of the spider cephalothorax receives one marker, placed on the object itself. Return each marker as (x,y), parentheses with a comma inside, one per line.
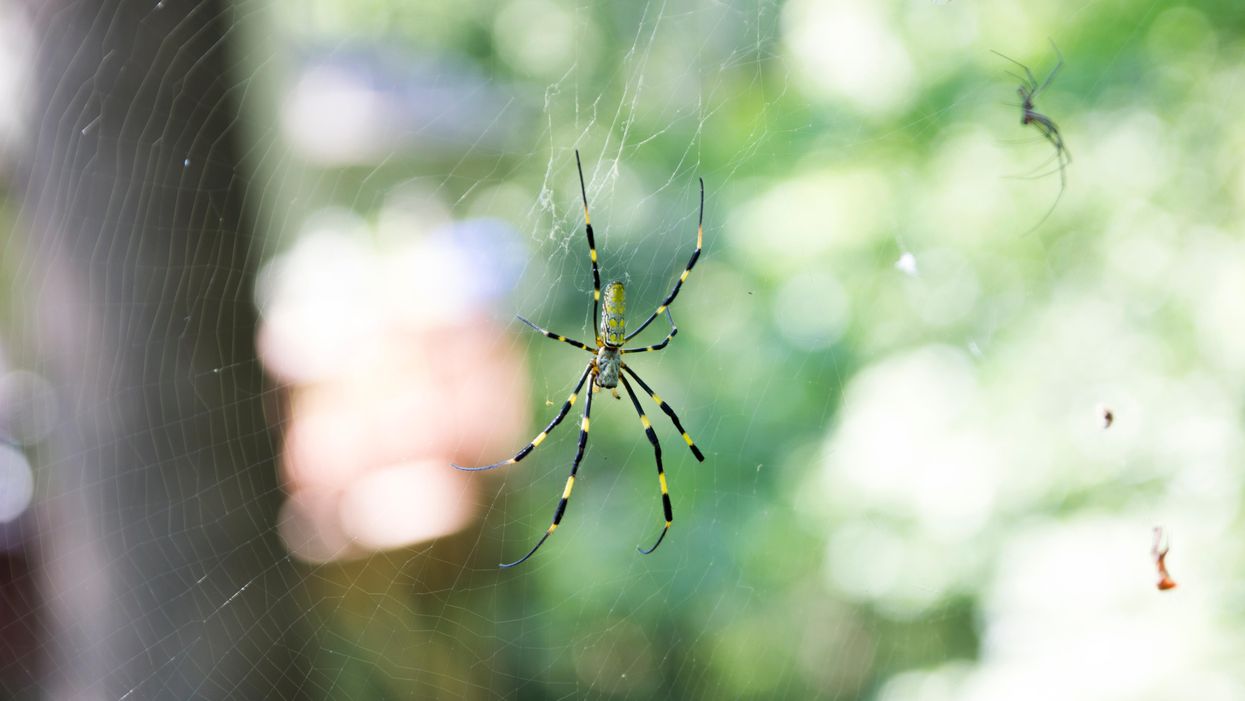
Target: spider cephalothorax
(608,370)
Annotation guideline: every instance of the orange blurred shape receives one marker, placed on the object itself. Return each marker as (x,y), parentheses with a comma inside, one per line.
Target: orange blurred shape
(404,504)
(310,529)
(457,392)
(1159,552)
(368,449)
(392,368)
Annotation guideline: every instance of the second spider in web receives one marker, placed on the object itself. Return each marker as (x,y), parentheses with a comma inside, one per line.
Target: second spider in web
(607,370)
(1028,91)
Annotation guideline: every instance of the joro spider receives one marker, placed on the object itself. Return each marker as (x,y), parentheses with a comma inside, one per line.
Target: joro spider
(607,370)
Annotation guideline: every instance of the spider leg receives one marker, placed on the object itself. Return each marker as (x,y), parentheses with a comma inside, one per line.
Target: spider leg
(669,412)
(1060,157)
(661,472)
(700,236)
(1052,134)
(1029,81)
(1049,211)
(1051,76)
(666,341)
(1037,173)
(592,249)
(1047,128)
(1025,86)
(570,483)
(556,336)
(540,438)
(1058,169)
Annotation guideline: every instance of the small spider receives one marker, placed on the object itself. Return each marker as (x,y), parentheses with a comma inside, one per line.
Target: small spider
(607,370)
(1028,90)
(1165,581)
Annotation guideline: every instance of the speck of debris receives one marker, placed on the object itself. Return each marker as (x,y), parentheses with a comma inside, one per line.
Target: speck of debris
(1108,416)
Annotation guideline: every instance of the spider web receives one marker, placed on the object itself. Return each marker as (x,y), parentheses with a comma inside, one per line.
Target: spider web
(898,381)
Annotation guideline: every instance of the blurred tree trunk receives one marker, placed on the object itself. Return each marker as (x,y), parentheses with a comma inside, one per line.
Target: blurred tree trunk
(162,576)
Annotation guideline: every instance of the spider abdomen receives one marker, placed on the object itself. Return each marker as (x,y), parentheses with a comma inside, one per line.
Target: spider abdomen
(613,330)
(609,362)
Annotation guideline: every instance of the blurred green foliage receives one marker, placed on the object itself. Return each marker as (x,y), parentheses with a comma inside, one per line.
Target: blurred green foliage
(908,492)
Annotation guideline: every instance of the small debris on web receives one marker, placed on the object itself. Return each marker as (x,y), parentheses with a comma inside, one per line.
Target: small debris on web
(1108,416)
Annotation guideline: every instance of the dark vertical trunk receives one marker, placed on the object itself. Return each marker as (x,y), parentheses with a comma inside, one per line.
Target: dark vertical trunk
(161,573)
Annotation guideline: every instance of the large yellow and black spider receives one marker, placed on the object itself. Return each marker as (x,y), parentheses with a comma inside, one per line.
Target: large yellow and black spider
(607,369)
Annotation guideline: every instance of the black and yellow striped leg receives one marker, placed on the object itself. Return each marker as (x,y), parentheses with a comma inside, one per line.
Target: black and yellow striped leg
(669,412)
(700,237)
(566,407)
(661,472)
(570,483)
(674,330)
(556,336)
(592,249)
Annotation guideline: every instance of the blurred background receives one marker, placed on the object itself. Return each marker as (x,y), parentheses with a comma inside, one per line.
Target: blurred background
(262,262)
